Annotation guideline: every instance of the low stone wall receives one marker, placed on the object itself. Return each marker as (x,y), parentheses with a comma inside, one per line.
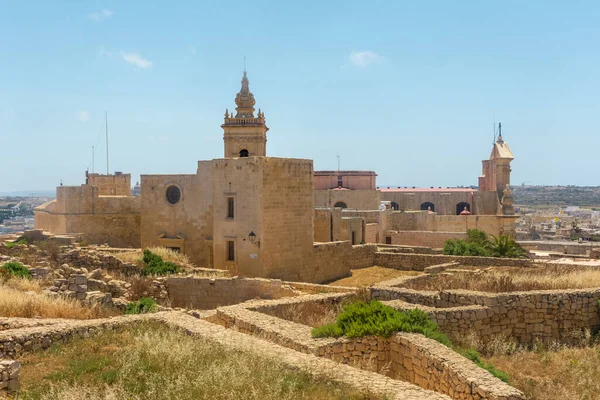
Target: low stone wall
(15,342)
(207,293)
(418,262)
(409,357)
(9,375)
(524,316)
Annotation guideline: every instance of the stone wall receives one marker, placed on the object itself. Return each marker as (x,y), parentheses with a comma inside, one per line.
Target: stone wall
(418,262)
(208,293)
(354,199)
(423,238)
(525,316)
(9,375)
(363,256)
(409,357)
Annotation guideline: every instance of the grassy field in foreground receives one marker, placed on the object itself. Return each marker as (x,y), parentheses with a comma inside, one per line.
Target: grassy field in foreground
(570,373)
(372,275)
(514,279)
(151,362)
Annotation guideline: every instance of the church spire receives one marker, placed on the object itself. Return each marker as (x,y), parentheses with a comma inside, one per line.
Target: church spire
(245,100)
(500,140)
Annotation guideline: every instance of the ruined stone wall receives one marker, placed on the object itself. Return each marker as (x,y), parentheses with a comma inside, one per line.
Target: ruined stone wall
(418,262)
(329,261)
(363,256)
(208,293)
(524,316)
(9,375)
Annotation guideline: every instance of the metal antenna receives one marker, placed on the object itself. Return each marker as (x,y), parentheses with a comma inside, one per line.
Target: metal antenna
(106,116)
(93,154)
(244,63)
(338,160)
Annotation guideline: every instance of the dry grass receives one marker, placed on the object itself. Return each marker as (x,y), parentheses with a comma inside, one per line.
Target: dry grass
(513,279)
(567,373)
(23,298)
(372,275)
(135,257)
(151,362)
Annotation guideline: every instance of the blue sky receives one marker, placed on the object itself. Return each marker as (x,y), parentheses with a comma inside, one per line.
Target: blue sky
(408,89)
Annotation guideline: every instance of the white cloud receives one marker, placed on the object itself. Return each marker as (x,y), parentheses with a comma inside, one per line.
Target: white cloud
(83,116)
(364,58)
(101,51)
(136,59)
(100,15)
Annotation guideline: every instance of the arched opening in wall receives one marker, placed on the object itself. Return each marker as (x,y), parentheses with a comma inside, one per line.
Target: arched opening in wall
(340,204)
(244,153)
(462,206)
(427,206)
(395,206)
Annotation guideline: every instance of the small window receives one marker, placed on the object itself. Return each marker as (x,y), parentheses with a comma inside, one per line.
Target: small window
(230,250)
(244,153)
(340,181)
(173,194)
(230,207)
(353,237)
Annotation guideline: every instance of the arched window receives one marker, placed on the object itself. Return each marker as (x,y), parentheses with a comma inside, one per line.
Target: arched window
(340,204)
(460,207)
(427,206)
(395,206)
(244,153)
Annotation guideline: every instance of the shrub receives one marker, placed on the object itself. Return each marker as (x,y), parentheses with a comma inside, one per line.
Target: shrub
(17,270)
(473,355)
(142,306)
(478,244)
(155,265)
(374,318)
(10,245)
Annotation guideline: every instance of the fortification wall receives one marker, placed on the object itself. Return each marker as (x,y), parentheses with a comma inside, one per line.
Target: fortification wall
(111,185)
(354,199)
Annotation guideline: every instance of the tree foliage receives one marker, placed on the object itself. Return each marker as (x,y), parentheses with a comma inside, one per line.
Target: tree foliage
(479,244)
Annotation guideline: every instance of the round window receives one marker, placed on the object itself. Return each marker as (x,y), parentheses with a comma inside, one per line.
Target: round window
(173,194)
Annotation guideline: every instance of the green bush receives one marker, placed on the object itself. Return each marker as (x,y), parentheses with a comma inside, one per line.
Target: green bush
(155,265)
(16,269)
(142,306)
(374,318)
(10,245)
(479,244)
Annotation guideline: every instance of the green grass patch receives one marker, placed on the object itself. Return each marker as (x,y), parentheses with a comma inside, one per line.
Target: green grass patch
(17,270)
(10,245)
(155,265)
(142,306)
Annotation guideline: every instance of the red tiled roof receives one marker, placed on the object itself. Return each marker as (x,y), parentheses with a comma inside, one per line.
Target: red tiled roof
(410,190)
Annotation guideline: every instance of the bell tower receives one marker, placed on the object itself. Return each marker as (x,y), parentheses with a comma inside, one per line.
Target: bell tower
(244,134)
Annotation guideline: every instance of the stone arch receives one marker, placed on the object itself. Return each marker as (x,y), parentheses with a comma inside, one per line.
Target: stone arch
(340,204)
(244,153)
(427,206)
(395,206)
(461,206)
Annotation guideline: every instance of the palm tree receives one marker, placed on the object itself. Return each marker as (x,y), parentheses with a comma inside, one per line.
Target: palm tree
(505,246)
